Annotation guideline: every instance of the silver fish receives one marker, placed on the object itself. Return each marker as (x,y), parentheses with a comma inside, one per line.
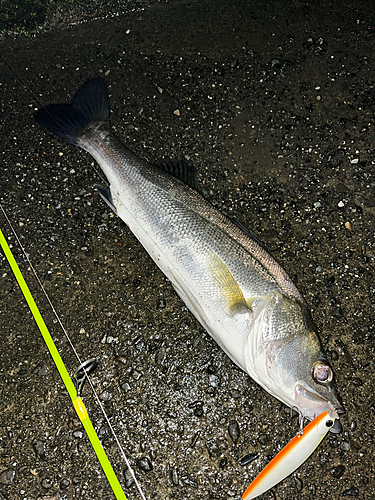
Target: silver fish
(235,289)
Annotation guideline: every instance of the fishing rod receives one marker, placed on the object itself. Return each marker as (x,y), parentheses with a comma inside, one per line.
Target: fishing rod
(81,375)
(84,368)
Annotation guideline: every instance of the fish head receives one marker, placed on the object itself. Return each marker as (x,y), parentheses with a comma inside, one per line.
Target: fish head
(289,361)
(313,381)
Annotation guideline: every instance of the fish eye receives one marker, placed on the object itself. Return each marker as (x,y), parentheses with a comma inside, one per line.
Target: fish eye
(322,373)
(329,423)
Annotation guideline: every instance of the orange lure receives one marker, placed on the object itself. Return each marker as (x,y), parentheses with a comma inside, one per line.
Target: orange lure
(291,456)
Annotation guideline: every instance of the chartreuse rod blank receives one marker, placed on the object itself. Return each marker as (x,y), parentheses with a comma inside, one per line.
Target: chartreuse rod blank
(77,401)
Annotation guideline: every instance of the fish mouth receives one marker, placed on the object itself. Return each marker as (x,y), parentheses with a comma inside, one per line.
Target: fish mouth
(311,404)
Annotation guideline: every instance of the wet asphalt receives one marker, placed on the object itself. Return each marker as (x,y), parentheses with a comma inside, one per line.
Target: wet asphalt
(274,104)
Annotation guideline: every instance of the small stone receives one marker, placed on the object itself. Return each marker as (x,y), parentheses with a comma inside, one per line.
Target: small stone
(161,304)
(39,448)
(299,484)
(345,446)
(177,112)
(102,432)
(340,204)
(78,434)
(338,471)
(263,439)
(214,381)
(174,476)
(348,225)
(105,396)
(136,374)
(7,476)
(47,483)
(129,479)
(190,481)
(160,355)
(41,370)
(144,464)
(64,484)
(247,459)
(234,430)
(213,449)
(56,496)
(351,492)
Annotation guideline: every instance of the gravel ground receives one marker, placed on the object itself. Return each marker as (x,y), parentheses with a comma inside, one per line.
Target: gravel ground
(274,104)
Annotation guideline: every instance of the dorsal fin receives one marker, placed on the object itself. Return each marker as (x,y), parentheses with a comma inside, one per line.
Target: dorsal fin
(181,169)
(247,231)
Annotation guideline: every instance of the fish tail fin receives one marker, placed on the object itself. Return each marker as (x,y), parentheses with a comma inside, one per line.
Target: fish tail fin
(67,121)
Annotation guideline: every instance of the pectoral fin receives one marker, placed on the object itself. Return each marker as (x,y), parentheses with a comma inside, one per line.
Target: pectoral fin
(229,288)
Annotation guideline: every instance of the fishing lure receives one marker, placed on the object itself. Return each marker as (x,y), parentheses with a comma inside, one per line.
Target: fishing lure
(291,456)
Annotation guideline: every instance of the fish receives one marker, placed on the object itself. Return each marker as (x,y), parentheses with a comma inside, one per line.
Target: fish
(235,289)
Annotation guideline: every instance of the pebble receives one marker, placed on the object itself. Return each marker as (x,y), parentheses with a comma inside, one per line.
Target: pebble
(56,496)
(161,304)
(129,480)
(39,447)
(197,406)
(247,459)
(351,492)
(105,396)
(213,449)
(263,439)
(64,484)
(299,484)
(177,112)
(234,430)
(41,370)
(136,374)
(190,481)
(144,464)
(78,434)
(338,471)
(174,476)
(214,381)
(7,476)
(102,432)
(160,355)
(345,446)
(47,483)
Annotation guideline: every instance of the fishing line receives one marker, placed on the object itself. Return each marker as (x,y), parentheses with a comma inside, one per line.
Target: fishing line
(78,403)
(78,409)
